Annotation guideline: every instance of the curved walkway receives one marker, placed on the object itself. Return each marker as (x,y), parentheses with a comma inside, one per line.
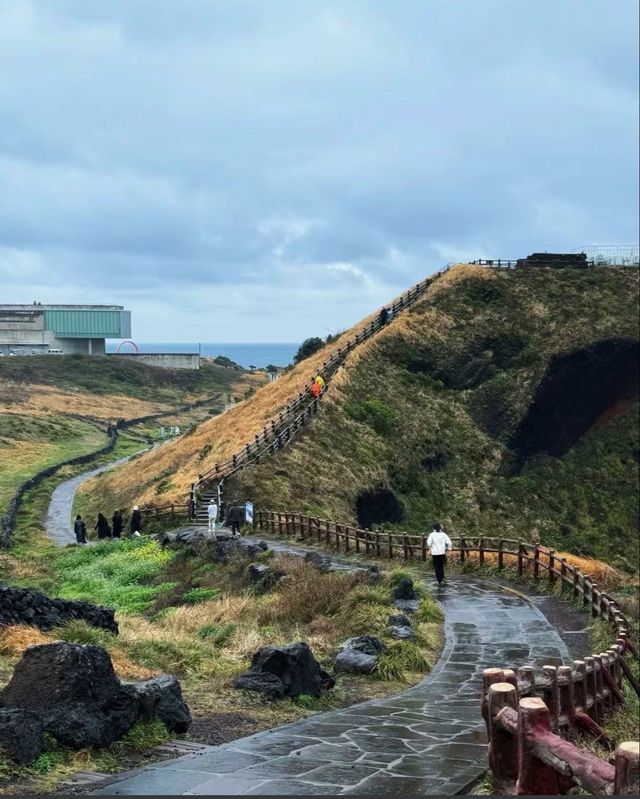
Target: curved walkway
(429,739)
(58,524)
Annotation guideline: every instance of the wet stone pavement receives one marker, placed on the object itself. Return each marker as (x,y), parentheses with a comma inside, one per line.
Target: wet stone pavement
(429,739)
(58,525)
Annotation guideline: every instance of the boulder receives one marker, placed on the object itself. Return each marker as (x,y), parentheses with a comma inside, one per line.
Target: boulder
(294,665)
(399,620)
(191,535)
(160,698)
(74,693)
(264,577)
(359,655)
(263,545)
(24,606)
(405,590)
(268,685)
(318,561)
(403,632)
(21,735)
(407,605)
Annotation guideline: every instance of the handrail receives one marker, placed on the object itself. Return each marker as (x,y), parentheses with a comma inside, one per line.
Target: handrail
(532,559)
(526,754)
(279,429)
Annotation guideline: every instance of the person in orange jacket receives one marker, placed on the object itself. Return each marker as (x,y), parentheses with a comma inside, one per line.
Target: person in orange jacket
(315,389)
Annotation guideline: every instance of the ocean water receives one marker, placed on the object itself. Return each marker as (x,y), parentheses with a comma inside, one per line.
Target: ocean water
(246,355)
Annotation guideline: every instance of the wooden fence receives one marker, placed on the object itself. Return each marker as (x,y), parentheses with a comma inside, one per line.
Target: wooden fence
(526,754)
(531,560)
(175,509)
(278,433)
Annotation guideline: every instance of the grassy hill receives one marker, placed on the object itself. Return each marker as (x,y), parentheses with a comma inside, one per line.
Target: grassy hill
(504,403)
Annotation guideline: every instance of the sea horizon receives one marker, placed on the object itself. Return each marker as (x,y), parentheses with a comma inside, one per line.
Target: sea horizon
(244,354)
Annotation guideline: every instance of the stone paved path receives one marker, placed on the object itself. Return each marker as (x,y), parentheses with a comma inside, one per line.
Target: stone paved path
(58,524)
(429,739)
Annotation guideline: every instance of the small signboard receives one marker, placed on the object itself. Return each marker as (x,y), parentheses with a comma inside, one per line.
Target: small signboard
(248,512)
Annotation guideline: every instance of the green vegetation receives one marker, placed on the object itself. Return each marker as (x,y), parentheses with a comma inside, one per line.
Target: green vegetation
(31,443)
(308,347)
(114,573)
(429,411)
(111,375)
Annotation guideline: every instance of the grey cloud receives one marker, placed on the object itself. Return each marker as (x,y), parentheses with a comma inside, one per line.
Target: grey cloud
(297,150)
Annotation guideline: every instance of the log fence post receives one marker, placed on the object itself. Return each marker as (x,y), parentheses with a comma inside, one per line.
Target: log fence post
(627,760)
(591,690)
(520,560)
(500,555)
(503,745)
(566,699)
(534,776)
(462,546)
(423,548)
(527,681)
(552,574)
(576,582)
(536,562)
(390,546)
(550,694)
(377,541)
(580,686)
(481,550)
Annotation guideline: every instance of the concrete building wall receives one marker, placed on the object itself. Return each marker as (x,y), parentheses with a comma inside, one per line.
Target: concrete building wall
(167,360)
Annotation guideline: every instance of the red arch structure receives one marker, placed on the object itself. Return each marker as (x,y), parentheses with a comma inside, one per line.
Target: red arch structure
(128,341)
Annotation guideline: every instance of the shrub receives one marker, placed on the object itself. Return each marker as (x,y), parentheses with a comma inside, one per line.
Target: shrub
(375,413)
(308,347)
(429,610)
(200,595)
(401,659)
(79,632)
(218,634)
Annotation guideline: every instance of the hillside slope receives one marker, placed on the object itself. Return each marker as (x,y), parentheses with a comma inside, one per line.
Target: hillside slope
(504,403)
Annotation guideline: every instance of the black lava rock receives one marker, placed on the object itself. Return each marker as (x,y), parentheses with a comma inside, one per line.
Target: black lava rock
(161,698)
(268,685)
(294,665)
(405,589)
(359,655)
(75,696)
(24,606)
(21,735)
(400,620)
(320,562)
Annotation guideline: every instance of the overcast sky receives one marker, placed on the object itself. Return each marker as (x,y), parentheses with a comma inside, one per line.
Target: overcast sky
(246,170)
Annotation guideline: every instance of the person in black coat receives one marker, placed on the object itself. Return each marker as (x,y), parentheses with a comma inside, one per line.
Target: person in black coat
(80,529)
(235,519)
(116,524)
(384,317)
(102,527)
(135,523)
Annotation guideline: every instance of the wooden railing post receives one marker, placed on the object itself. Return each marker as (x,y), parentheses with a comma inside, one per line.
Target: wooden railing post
(503,745)
(500,555)
(591,691)
(536,562)
(552,574)
(520,560)
(534,776)
(481,551)
(550,694)
(566,700)
(462,552)
(390,546)
(627,760)
(423,548)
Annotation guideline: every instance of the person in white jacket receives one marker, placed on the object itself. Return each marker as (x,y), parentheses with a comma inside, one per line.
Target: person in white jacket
(212,513)
(439,544)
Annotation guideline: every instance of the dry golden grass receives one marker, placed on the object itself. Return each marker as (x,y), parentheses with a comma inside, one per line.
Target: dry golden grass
(43,400)
(14,639)
(228,433)
(186,619)
(127,669)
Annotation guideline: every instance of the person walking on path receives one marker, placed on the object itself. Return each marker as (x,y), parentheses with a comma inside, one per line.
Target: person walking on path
(212,515)
(102,527)
(135,523)
(384,317)
(315,389)
(116,524)
(439,544)
(235,518)
(320,381)
(80,529)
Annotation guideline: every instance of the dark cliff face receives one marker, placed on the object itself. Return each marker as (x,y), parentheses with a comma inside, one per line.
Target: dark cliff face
(575,391)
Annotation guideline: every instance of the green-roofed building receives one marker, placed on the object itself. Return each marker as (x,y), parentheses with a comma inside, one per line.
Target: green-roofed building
(61,329)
